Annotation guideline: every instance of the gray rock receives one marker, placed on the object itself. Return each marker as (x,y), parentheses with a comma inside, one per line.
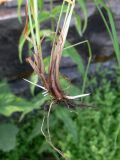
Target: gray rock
(10,66)
(12,3)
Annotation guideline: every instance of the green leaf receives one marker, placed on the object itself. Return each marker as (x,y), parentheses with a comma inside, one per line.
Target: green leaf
(70,125)
(75,56)
(56,11)
(69,88)
(8,134)
(111,29)
(10,103)
(34,78)
(20,46)
(19,10)
(40,3)
(82,4)
(36,131)
(78,24)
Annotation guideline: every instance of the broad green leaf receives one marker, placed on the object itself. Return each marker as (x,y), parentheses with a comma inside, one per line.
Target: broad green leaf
(10,103)
(75,56)
(69,124)
(8,134)
(68,87)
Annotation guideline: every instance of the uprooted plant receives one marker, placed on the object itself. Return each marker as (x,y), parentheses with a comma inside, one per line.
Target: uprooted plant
(50,81)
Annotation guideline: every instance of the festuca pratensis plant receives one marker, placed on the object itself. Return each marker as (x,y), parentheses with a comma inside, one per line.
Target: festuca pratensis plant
(50,81)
